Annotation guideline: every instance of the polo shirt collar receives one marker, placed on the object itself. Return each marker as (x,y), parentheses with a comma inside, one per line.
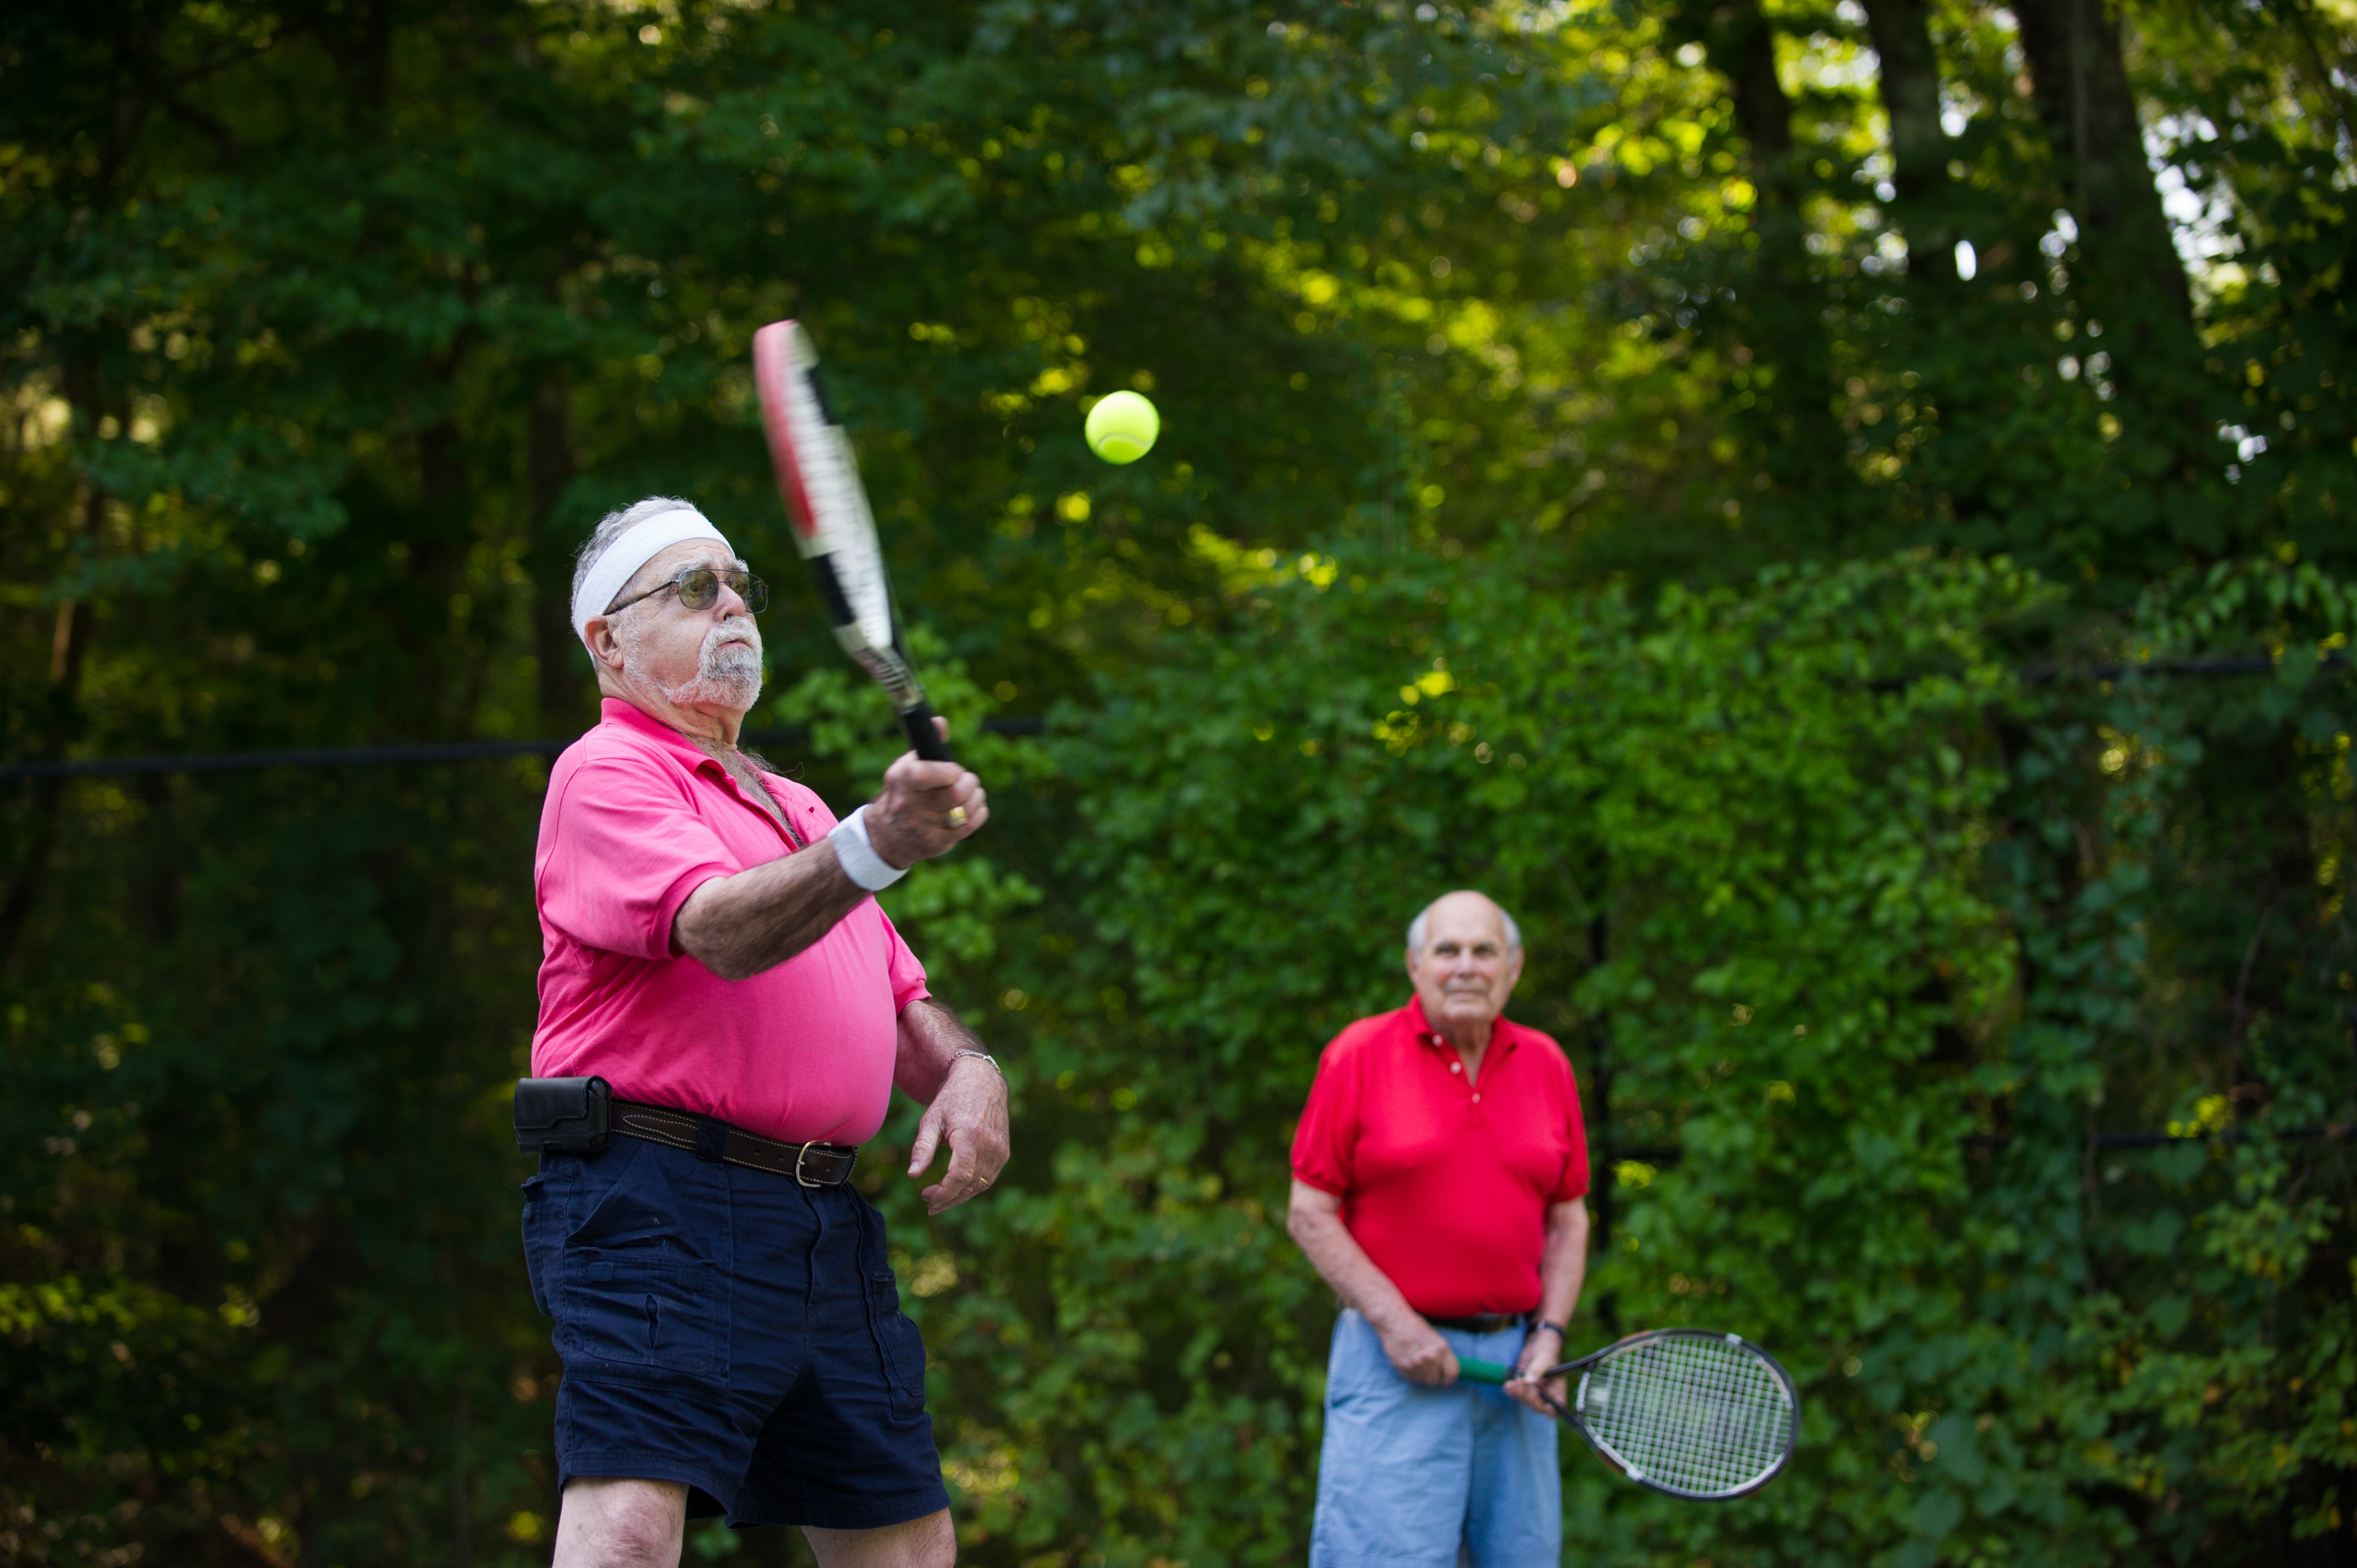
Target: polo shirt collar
(1502,1033)
(631,719)
(637,721)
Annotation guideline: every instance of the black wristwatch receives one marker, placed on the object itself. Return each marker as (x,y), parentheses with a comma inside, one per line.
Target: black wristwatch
(1560,1332)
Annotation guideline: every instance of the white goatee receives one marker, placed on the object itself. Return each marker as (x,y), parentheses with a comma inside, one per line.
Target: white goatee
(729,667)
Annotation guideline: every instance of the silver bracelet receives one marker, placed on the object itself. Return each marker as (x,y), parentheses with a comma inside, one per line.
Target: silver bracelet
(985,1056)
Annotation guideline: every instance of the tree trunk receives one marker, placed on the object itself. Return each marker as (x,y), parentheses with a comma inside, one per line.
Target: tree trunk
(157,885)
(2126,270)
(1599,1102)
(462,1507)
(443,664)
(1783,329)
(359,41)
(68,650)
(1909,83)
(549,467)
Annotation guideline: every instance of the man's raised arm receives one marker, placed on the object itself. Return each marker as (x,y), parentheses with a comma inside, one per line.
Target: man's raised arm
(738,926)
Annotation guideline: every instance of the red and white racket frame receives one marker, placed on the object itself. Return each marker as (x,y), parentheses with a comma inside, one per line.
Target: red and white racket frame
(818,480)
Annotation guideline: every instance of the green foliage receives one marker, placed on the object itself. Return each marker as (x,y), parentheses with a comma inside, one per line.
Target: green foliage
(1789,858)
(1586,473)
(1778,853)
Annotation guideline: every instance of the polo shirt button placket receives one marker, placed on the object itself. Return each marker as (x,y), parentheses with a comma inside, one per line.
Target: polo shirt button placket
(1455,1068)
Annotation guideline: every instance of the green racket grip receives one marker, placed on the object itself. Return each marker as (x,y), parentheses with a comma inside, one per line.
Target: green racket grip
(1473,1371)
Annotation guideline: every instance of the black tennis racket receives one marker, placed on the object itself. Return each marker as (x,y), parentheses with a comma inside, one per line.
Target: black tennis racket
(1689,1412)
(818,478)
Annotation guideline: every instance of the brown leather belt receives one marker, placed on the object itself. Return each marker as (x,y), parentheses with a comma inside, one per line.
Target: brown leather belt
(1487,1323)
(812,1165)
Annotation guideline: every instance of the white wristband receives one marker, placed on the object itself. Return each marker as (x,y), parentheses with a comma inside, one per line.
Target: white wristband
(859,859)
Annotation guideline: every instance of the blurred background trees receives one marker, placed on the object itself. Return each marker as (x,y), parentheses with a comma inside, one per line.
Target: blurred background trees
(1834,515)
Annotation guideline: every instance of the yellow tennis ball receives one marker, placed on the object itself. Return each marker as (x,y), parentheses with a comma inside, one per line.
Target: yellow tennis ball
(1122,427)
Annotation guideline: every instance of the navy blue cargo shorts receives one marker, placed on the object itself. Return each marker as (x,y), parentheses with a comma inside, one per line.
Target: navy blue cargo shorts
(734,1330)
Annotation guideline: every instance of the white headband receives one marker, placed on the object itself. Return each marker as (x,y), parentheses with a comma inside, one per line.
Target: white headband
(622,559)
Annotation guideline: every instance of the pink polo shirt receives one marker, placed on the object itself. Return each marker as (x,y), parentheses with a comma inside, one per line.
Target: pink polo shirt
(637,818)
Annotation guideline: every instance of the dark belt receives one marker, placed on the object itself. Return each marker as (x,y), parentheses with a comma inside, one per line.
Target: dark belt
(1487,1323)
(812,1165)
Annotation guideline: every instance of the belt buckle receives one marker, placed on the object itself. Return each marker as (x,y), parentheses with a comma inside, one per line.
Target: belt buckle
(800,1155)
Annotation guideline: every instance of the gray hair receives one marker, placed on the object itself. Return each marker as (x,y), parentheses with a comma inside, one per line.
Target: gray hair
(615,524)
(1416,927)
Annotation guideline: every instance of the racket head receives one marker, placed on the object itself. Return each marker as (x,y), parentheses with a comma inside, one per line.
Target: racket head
(1695,1413)
(818,480)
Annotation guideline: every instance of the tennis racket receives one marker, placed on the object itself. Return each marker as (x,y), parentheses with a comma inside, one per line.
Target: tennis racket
(1690,1412)
(818,478)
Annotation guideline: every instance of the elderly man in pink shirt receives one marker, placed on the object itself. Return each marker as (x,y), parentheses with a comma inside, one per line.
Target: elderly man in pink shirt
(724,1013)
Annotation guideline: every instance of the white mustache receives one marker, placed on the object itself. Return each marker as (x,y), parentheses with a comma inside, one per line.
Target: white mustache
(728,668)
(721,640)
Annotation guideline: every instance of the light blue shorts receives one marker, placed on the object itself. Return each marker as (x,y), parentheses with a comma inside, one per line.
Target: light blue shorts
(1426,1477)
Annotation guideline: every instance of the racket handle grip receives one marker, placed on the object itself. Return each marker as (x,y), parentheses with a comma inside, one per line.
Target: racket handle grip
(924,737)
(1474,1371)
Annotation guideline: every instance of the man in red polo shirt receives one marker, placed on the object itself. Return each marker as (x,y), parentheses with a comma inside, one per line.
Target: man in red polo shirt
(1437,1178)
(731,1335)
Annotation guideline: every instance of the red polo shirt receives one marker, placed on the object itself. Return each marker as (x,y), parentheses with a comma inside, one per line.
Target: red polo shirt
(637,818)
(1446,1184)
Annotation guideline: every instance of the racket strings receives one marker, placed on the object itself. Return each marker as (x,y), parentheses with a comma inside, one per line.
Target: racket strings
(1690,1413)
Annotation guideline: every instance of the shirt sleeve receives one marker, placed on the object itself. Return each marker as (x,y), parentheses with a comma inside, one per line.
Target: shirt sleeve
(1575,1165)
(628,850)
(901,966)
(1327,1138)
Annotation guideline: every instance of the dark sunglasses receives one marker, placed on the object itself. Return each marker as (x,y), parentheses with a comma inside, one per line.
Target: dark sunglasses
(698,588)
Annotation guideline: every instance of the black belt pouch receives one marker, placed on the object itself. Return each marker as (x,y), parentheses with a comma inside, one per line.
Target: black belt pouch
(562,1115)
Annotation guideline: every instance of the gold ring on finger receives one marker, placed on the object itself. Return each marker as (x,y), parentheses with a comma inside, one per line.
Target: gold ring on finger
(955,816)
